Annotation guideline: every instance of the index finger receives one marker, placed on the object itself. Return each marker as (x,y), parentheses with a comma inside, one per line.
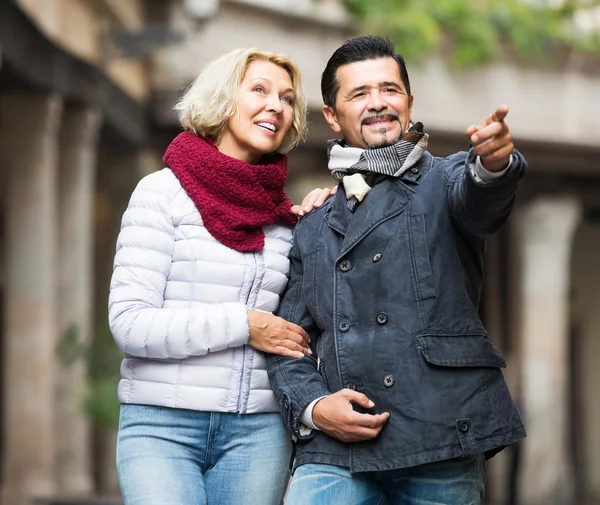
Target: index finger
(308,201)
(323,195)
(370,420)
(499,114)
(295,337)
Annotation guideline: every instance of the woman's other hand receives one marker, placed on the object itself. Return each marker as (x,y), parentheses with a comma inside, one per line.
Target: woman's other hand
(272,334)
(314,199)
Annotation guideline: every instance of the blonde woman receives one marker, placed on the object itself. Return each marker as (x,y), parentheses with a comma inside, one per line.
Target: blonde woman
(201,261)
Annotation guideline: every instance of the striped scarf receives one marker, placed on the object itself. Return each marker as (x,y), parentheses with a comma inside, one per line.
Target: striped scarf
(360,169)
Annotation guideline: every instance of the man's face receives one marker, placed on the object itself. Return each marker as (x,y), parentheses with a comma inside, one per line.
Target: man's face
(372,107)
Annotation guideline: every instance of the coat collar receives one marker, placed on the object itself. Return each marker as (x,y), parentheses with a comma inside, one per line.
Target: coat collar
(386,200)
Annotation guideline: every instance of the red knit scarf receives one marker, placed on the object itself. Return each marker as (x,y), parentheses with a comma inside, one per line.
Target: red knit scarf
(236,199)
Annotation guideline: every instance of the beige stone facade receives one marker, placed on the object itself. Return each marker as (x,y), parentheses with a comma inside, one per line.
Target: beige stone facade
(30,309)
(86,95)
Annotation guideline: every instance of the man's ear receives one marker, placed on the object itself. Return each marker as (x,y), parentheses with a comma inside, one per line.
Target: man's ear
(331,118)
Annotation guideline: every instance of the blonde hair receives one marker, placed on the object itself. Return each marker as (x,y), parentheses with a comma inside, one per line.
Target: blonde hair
(211,99)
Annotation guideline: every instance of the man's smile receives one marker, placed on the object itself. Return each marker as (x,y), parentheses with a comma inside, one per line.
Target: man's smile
(379,121)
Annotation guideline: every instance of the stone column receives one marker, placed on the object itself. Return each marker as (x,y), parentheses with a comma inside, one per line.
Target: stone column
(29,145)
(586,318)
(545,230)
(77,171)
(495,321)
(119,171)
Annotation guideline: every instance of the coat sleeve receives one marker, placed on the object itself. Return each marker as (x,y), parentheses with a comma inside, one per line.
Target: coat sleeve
(296,381)
(140,324)
(479,210)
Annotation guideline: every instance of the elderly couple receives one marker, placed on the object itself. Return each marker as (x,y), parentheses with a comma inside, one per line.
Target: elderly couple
(351,334)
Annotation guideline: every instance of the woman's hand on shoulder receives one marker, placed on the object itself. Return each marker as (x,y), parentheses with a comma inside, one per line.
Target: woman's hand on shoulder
(273,334)
(313,200)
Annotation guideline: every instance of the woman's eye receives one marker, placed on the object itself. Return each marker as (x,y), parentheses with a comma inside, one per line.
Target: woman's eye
(287,99)
(259,89)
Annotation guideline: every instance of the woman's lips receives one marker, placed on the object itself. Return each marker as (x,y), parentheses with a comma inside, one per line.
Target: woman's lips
(266,131)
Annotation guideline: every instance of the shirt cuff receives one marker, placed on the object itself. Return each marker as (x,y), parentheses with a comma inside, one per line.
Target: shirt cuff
(306,421)
(483,176)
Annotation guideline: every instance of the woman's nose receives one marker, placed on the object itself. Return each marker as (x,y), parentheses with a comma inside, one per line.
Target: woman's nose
(274,104)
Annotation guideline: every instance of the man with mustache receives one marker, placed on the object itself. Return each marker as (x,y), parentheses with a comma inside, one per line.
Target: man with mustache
(403,399)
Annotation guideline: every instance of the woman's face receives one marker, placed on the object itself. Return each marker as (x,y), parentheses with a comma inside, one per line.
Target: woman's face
(264,113)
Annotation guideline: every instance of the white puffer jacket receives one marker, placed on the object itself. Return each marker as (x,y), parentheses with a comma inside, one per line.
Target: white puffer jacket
(178,305)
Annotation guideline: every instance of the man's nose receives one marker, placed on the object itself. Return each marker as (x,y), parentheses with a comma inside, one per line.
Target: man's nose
(376,101)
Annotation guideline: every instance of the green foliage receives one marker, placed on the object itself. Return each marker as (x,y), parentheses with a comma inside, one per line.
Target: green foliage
(472,32)
(102,359)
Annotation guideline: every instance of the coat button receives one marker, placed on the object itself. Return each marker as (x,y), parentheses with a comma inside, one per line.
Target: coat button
(345,266)
(464,427)
(351,386)
(389,380)
(377,257)
(414,170)
(382,318)
(344,325)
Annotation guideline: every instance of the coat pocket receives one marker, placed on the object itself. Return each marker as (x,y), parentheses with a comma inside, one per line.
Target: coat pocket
(420,258)
(460,351)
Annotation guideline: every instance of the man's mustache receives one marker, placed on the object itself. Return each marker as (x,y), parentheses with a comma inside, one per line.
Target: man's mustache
(385,117)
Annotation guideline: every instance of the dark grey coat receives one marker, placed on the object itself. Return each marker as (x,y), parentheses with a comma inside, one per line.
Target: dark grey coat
(389,296)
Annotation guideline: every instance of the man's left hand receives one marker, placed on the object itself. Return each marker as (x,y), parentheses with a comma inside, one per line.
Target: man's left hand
(492,140)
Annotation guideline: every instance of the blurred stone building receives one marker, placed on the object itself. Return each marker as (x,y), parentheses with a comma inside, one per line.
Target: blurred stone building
(86,95)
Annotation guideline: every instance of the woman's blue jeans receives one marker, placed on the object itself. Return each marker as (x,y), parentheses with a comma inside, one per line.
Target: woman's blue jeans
(182,457)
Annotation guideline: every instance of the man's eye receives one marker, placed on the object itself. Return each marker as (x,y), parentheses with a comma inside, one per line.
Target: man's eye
(359,95)
(389,90)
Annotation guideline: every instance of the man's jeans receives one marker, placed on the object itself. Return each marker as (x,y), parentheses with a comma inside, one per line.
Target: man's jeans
(452,482)
(183,457)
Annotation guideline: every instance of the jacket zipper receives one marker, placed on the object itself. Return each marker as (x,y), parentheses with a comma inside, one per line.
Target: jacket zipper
(242,374)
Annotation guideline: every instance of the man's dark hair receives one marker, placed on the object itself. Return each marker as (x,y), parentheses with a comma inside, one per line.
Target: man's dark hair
(368,47)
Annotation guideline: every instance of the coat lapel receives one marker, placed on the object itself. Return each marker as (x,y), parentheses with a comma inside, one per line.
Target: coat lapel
(386,200)
(339,215)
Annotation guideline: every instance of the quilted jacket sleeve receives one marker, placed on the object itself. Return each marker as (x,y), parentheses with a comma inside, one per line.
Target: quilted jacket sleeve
(140,325)
(296,381)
